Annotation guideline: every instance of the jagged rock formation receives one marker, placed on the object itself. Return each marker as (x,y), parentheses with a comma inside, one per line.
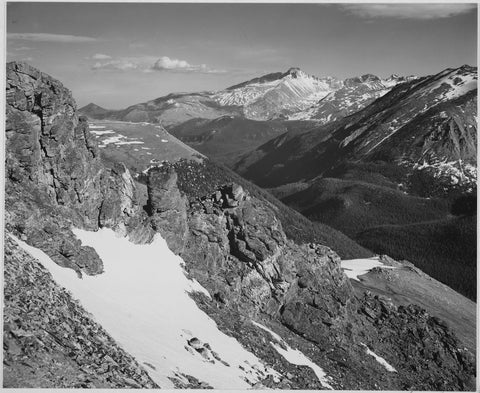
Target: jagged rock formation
(236,248)
(55,178)
(231,242)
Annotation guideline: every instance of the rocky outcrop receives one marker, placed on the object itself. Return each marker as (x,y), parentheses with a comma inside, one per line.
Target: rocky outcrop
(167,208)
(54,176)
(236,248)
(48,147)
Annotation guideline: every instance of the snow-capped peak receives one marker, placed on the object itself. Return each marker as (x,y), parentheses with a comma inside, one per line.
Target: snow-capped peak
(273,94)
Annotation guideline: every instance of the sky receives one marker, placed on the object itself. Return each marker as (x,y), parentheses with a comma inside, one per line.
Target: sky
(116,54)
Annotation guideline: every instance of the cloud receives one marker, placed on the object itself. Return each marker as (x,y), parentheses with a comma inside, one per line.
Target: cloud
(149,64)
(45,37)
(408,11)
(22,48)
(100,56)
(118,65)
(165,63)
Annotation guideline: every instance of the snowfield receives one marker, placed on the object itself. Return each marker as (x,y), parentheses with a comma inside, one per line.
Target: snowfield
(142,301)
(358,267)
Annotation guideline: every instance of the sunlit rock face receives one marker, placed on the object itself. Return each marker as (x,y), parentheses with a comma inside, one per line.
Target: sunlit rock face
(54,175)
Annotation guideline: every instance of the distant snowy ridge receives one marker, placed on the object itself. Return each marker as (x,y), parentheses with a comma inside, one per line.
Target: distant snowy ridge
(296,95)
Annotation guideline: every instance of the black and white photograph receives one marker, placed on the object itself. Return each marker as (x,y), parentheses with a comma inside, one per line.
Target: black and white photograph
(240,196)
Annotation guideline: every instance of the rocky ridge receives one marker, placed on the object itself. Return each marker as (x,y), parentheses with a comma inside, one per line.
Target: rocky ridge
(236,249)
(55,177)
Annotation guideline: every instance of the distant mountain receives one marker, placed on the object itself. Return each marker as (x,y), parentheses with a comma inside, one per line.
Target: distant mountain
(427,125)
(94,111)
(293,95)
(403,160)
(278,95)
(169,110)
(231,122)
(355,94)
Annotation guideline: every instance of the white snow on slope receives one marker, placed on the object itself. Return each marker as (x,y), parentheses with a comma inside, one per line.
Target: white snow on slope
(294,356)
(112,139)
(141,300)
(132,142)
(380,360)
(101,132)
(455,89)
(358,267)
(93,126)
(271,332)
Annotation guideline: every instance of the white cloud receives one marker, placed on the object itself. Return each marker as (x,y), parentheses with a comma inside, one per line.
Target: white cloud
(408,11)
(21,48)
(165,63)
(45,37)
(119,65)
(100,56)
(149,64)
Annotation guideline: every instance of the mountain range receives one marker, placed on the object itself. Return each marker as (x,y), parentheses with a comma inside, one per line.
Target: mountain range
(262,108)
(134,260)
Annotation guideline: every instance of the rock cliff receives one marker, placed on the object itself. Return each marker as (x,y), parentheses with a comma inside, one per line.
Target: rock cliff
(54,175)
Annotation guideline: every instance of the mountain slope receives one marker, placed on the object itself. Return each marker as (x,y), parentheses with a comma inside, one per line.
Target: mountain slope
(451,255)
(226,138)
(404,127)
(353,206)
(287,304)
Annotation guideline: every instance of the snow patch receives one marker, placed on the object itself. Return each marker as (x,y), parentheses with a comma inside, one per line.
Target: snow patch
(95,126)
(358,267)
(294,356)
(380,360)
(110,140)
(102,132)
(142,301)
(129,143)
